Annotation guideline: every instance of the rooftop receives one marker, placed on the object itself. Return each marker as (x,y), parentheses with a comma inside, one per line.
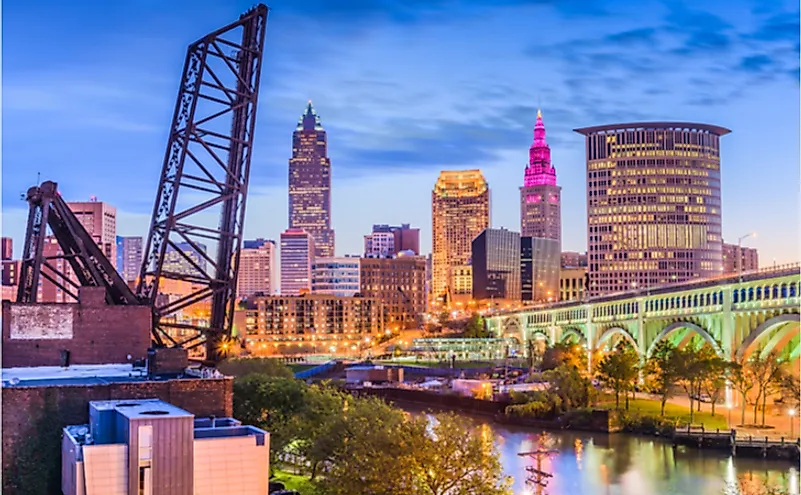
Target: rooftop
(714,129)
(137,409)
(87,374)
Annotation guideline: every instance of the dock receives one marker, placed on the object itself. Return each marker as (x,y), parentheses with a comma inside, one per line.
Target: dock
(742,445)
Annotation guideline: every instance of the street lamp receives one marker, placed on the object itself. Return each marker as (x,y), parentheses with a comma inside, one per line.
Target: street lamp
(740,252)
(792,420)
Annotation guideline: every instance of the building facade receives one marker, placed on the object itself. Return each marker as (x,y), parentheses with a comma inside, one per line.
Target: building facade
(572,282)
(297,256)
(460,206)
(309,324)
(540,197)
(572,259)
(336,276)
(129,257)
(399,284)
(10,267)
(496,265)
(6,248)
(148,446)
(387,240)
(748,259)
(257,268)
(539,269)
(310,183)
(100,221)
(653,204)
(185,259)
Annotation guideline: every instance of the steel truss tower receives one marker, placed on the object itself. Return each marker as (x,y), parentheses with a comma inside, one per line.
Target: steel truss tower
(206,169)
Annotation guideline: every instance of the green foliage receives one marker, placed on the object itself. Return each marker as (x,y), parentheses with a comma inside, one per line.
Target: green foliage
(577,418)
(573,389)
(536,409)
(475,328)
(619,370)
(662,371)
(239,367)
(559,354)
(645,424)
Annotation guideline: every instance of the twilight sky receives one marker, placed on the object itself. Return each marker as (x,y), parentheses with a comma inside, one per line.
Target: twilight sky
(406,89)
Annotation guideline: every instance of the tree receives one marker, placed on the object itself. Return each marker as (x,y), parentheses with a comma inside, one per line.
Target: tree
(619,370)
(662,371)
(790,388)
(743,381)
(691,373)
(716,372)
(573,389)
(239,367)
(475,328)
(562,353)
(767,374)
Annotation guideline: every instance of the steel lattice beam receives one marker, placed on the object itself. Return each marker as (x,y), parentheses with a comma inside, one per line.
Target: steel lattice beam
(206,169)
(90,267)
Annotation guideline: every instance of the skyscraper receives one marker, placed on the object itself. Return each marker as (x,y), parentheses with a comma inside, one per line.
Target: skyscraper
(297,256)
(336,276)
(539,269)
(100,221)
(186,259)
(460,204)
(129,257)
(310,183)
(496,265)
(540,197)
(257,268)
(653,204)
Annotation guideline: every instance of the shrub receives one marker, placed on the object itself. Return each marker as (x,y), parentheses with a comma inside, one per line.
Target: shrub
(645,424)
(531,410)
(577,418)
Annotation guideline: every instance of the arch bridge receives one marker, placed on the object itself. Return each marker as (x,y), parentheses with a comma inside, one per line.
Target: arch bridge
(737,315)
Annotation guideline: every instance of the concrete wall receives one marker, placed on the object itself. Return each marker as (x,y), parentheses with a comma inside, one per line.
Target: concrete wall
(29,412)
(231,466)
(92,331)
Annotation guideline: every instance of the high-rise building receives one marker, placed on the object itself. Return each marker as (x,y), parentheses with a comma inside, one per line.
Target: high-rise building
(186,259)
(6,248)
(653,204)
(539,269)
(460,205)
(62,291)
(387,240)
(749,259)
(399,283)
(257,268)
(572,259)
(496,265)
(540,197)
(297,256)
(10,269)
(310,183)
(100,221)
(572,282)
(336,276)
(129,257)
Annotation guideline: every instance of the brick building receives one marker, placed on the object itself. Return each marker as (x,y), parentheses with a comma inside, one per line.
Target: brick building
(399,283)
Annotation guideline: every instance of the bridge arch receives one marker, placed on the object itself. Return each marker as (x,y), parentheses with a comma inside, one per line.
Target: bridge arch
(540,331)
(512,327)
(765,328)
(677,325)
(573,332)
(609,332)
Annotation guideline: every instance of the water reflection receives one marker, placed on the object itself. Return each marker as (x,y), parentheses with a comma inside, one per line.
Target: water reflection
(627,465)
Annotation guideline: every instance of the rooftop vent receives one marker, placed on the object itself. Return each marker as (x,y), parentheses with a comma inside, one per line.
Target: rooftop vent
(127,404)
(155,413)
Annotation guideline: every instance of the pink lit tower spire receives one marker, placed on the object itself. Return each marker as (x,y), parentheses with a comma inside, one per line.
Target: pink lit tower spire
(540,197)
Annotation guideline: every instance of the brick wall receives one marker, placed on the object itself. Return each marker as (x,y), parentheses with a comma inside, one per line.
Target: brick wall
(97,334)
(24,411)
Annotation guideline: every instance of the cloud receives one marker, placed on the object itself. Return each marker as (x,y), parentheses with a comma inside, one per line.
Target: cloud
(756,63)
(633,37)
(779,27)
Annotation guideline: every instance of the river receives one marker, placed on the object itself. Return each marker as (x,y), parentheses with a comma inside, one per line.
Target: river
(619,464)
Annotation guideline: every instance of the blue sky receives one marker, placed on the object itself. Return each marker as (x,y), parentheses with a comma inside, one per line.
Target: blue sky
(406,89)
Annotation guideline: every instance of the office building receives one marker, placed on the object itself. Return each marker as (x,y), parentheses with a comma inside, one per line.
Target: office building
(10,267)
(496,265)
(100,221)
(310,183)
(572,282)
(186,259)
(540,197)
(539,269)
(460,205)
(653,204)
(749,259)
(571,259)
(336,276)
(6,248)
(257,268)
(309,324)
(387,240)
(129,257)
(297,256)
(399,284)
(148,446)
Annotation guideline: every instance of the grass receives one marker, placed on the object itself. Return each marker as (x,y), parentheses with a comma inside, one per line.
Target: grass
(673,411)
(296,482)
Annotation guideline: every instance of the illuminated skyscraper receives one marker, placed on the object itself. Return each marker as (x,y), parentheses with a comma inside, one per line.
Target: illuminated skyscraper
(540,207)
(496,265)
(653,204)
(460,205)
(310,183)
(297,257)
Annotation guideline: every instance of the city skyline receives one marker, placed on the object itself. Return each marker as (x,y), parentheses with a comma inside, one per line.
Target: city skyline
(395,125)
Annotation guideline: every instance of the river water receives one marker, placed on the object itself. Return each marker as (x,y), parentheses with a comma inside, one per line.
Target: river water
(590,463)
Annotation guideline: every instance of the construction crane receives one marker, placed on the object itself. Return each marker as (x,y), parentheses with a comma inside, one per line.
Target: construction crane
(205,171)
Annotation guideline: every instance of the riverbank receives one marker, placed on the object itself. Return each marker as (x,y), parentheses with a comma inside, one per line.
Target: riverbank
(596,420)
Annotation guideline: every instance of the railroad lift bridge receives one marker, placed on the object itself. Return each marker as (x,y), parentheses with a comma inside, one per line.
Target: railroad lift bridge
(204,176)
